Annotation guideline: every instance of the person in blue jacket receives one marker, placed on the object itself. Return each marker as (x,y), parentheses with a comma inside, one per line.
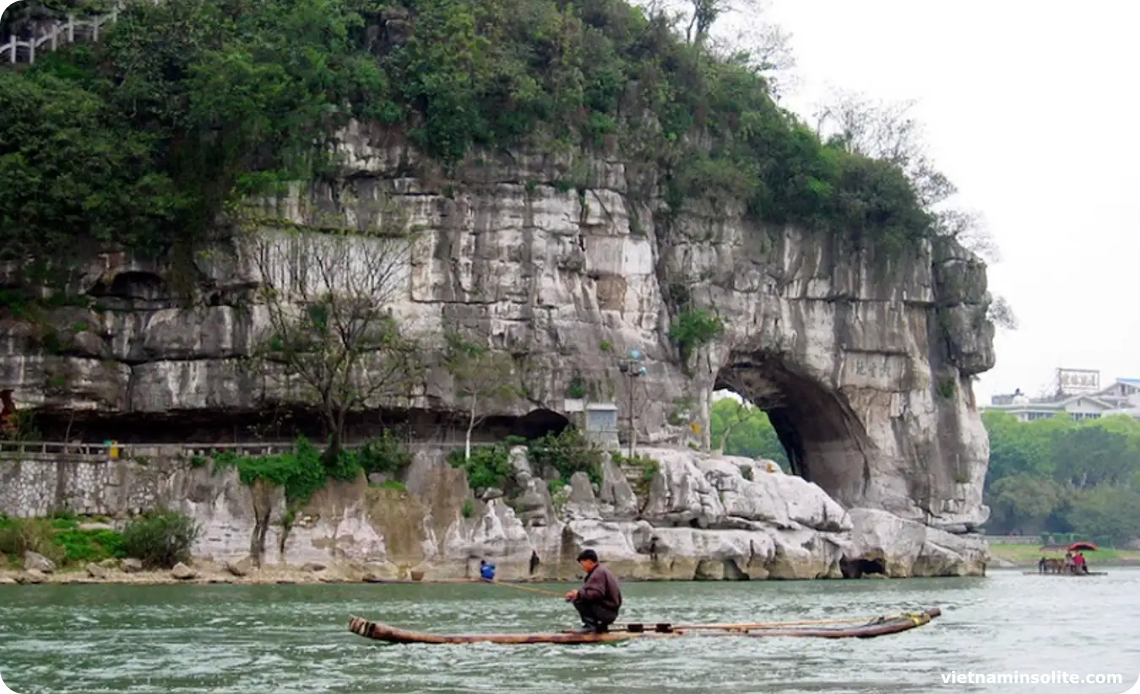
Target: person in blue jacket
(486,571)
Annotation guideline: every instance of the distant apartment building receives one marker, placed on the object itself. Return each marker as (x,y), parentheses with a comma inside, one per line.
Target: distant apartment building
(1076,392)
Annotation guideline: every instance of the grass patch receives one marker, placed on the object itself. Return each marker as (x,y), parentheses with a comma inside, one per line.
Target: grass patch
(1030,553)
(60,539)
(394,485)
(82,546)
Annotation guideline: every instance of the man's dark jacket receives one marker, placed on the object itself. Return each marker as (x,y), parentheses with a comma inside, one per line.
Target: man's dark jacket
(601,587)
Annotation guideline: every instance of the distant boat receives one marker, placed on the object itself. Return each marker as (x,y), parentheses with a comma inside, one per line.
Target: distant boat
(878,626)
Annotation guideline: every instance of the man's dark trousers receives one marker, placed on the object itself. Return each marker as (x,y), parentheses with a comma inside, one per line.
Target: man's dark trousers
(594,614)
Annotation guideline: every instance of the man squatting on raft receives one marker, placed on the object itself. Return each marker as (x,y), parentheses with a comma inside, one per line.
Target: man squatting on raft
(598,601)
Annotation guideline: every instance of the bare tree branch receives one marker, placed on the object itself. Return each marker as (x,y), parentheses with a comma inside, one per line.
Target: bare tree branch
(1001,313)
(968,227)
(329,329)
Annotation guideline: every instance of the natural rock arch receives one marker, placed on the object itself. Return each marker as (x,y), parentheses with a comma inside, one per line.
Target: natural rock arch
(824,439)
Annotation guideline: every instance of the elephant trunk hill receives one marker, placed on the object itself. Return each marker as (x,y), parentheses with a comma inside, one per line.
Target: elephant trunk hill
(521,278)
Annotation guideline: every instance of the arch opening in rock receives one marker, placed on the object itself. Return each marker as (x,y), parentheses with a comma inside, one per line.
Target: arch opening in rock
(822,437)
(739,428)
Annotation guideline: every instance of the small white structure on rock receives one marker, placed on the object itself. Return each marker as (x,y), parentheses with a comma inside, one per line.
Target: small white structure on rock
(602,423)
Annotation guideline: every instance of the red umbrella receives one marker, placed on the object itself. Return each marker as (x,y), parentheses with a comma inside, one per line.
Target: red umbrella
(1082,545)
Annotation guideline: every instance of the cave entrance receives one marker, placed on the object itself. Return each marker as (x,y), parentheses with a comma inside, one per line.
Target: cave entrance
(538,423)
(822,439)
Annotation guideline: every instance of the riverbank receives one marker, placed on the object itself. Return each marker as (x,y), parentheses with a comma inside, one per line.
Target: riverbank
(206,572)
(1028,554)
(203,572)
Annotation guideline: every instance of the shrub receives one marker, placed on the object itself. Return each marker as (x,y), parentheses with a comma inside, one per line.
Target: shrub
(301,472)
(489,466)
(648,467)
(568,452)
(693,328)
(21,535)
(160,539)
(384,454)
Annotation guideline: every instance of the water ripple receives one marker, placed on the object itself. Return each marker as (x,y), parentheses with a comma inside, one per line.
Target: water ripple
(293,639)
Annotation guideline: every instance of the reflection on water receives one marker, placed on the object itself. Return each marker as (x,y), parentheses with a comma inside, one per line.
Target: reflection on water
(285,639)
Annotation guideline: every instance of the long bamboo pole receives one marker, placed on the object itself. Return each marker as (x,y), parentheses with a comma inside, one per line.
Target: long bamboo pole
(714,627)
(763,625)
(652,626)
(521,587)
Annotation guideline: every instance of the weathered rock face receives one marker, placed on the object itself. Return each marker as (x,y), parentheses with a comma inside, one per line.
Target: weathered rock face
(863,361)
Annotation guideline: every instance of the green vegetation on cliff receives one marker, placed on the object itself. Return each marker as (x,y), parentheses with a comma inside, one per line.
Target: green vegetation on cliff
(306,469)
(186,107)
(558,455)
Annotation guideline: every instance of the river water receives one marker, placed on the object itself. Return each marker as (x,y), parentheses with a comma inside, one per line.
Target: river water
(221,639)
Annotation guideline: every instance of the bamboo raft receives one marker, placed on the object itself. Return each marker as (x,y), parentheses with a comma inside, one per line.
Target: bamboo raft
(871,628)
(1063,574)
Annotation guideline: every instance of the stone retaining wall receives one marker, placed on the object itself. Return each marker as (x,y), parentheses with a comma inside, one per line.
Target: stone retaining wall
(40,485)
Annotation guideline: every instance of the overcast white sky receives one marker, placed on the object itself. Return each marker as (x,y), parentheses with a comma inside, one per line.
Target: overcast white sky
(1030,108)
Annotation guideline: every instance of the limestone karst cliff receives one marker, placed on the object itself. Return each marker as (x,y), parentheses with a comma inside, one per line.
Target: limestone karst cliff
(862,358)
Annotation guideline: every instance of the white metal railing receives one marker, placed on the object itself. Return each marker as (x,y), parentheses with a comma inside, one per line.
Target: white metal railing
(105,451)
(52,34)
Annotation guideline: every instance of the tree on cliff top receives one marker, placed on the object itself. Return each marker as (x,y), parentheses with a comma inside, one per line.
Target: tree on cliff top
(888,131)
(330,332)
(483,378)
(186,108)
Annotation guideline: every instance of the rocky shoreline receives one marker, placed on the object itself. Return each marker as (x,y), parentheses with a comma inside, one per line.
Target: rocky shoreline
(698,517)
(202,572)
(211,573)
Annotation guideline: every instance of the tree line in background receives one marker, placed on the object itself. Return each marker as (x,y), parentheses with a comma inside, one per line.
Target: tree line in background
(740,428)
(1061,475)
(1051,475)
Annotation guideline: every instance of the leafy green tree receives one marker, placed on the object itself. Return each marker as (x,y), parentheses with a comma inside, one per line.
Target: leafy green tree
(745,430)
(1060,475)
(1019,448)
(1107,510)
(1091,455)
(1023,502)
(152,136)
